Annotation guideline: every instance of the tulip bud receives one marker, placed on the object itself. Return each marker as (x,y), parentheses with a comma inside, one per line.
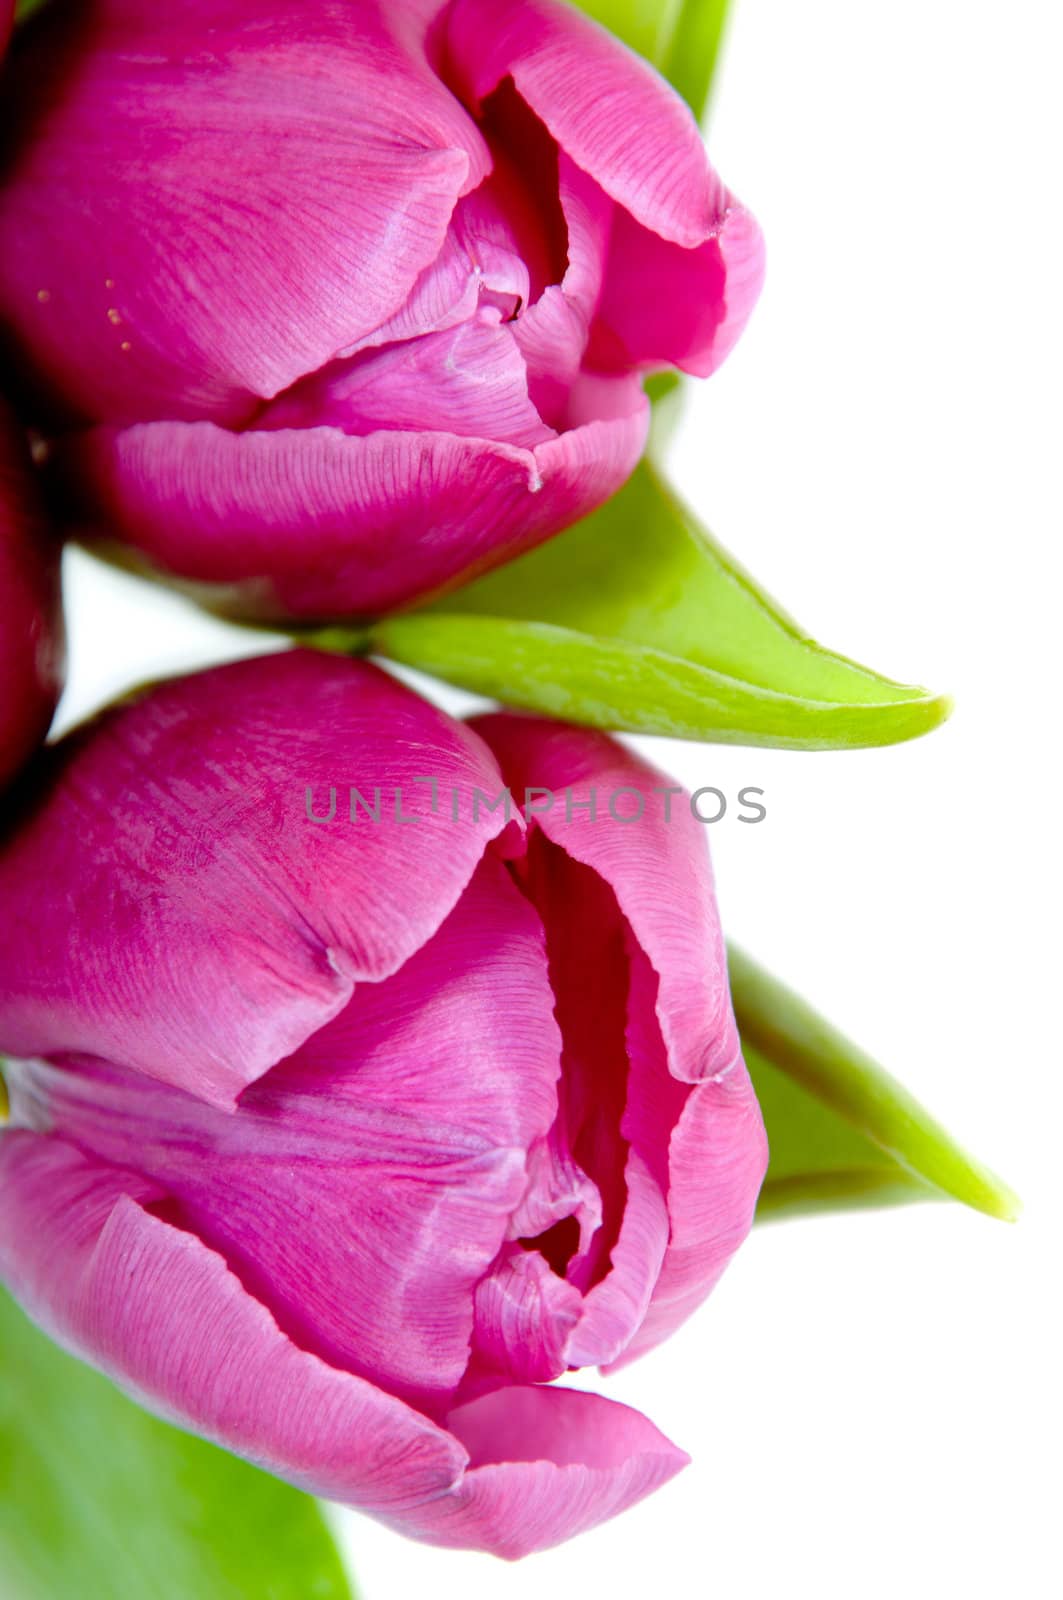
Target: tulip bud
(338,1140)
(329,307)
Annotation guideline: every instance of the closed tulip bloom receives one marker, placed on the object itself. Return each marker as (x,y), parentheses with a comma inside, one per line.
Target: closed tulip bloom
(31,632)
(328,306)
(336,1140)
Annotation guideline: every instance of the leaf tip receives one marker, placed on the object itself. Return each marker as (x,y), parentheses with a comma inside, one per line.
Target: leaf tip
(978,1186)
(939,708)
(1000,1200)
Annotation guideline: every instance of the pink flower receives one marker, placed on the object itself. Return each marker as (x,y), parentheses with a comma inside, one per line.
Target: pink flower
(337,1140)
(333,305)
(31,627)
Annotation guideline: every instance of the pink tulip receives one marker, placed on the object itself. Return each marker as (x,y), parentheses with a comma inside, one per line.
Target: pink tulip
(330,306)
(31,631)
(337,1140)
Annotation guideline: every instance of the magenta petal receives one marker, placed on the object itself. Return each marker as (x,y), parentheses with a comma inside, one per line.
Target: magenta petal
(558,1188)
(662,304)
(364,1186)
(522,1469)
(525,1317)
(168,904)
(717,1160)
(658,869)
(615,1308)
(546,1464)
(553,333)
(31,623)
(716,1157)
(166,1319)
(604,105)
(708,1151)
(468,380)
(277,176)
(311,523)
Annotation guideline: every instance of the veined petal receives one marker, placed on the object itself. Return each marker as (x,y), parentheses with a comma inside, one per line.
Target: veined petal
(594,1212)
(521,1469)
(164,1317)
(314,524)
(365,1185)
(553,333)
(677,926)
(591,93)
(277,177)
(545,1464)
(708,1145)
(169,905)
(469,380)
(588,973)
(689,1115)
(557,1189)
(614,1309)
(495,255)
(525,1317)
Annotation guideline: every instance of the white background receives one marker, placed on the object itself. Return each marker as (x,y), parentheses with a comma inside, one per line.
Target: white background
(871,1401)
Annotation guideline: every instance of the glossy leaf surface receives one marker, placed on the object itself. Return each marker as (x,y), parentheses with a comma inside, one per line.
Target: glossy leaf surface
(637,620)
(100,1500)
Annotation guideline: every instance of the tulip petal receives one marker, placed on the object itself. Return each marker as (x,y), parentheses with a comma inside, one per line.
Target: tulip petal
(164,1317)
(469,380)
(585,941)
(525,1316)
(616,1307)
(31,623)
(553,333)
(481,257)
(690,1115)
(521,1469)
(662,304)
(717,1160)
(546,1464)
(168,903)
(679,930)
(259,212)
(315,524)
(609,1243)
(365,1185)
(707,1148)
(591,92)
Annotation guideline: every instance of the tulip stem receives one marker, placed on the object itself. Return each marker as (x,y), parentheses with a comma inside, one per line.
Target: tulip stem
(349,640)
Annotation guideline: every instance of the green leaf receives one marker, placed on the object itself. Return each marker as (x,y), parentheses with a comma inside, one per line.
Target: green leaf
(637,620)
(97,1499)
(680,37)
(842,1132)
(694,51)
(645,25)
